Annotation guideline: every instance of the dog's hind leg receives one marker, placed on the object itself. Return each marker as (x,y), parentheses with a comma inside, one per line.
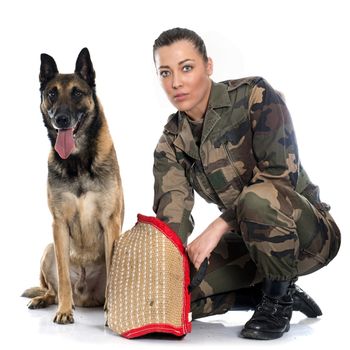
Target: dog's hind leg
(44,298)
(46,294)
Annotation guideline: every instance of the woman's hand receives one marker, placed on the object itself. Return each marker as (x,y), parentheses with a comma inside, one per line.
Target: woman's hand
(206,242)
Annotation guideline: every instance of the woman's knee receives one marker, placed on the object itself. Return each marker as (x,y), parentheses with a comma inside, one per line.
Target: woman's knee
(263,203)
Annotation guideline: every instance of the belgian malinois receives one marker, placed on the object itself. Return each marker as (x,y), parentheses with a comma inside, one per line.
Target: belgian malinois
(84,191)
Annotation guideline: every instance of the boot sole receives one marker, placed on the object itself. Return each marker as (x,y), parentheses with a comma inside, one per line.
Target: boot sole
(259,335)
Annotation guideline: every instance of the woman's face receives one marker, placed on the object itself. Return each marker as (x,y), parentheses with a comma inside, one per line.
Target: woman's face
(185,77)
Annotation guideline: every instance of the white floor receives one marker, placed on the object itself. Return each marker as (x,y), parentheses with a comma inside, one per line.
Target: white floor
(34,329)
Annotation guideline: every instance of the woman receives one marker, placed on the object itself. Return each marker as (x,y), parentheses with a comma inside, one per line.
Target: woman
(234,144)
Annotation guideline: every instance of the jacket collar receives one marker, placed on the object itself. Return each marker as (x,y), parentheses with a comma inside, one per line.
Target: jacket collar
(218,98)
(178,124)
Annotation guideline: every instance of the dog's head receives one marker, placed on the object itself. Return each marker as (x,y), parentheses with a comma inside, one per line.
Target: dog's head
(68,102)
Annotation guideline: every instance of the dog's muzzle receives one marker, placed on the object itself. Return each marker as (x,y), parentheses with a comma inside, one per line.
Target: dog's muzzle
(62,121)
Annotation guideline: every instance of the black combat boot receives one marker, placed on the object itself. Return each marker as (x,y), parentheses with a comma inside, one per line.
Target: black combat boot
(303,302)
(272,315)
(248,299)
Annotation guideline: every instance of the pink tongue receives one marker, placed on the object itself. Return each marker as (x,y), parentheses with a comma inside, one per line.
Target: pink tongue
(64,143)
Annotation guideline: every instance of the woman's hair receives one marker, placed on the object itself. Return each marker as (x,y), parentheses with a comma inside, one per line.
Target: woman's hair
(171,36)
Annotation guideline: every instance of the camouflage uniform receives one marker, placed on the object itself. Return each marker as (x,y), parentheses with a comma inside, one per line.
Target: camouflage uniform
(245,160)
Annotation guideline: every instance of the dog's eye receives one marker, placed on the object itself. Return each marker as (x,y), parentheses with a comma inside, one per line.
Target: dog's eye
(77,93)
(52,94)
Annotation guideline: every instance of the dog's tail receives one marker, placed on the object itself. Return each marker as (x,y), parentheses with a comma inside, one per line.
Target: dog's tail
(34,292)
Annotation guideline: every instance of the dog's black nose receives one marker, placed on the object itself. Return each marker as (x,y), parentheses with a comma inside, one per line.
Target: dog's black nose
(62,121)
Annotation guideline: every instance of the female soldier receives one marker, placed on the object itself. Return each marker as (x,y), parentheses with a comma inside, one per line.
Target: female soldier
(234,144)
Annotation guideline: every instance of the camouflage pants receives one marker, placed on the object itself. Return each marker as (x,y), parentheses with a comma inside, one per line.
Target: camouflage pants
(282,236)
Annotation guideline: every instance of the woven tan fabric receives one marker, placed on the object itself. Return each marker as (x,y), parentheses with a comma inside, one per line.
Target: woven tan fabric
(146,281)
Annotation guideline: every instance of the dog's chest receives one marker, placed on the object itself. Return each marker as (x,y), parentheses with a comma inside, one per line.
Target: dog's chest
(86,222)
(84,199)
(87,206)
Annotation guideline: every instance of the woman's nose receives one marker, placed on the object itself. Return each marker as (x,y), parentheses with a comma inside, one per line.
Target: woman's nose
(177,81)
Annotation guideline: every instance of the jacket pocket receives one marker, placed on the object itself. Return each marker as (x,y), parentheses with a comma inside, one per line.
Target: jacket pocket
(236,175)
(194,177)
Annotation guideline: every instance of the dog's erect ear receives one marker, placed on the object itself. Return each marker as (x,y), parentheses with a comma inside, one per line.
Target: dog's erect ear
(84,67)
(48,69)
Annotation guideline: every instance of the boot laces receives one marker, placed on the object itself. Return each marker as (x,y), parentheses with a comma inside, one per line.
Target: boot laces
(268,305)
(271,309)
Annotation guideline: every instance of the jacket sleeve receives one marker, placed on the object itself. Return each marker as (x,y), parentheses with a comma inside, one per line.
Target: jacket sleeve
(173,195)
(274,143)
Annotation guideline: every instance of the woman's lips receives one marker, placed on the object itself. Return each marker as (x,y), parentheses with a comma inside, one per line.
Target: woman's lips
(180,97)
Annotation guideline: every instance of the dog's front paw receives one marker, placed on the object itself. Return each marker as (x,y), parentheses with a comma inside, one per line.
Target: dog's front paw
(64,317)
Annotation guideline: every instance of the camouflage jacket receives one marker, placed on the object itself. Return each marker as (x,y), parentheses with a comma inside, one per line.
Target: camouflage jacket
(247,137)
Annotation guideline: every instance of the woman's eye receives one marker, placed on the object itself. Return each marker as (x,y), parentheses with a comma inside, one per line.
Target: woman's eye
(187,68)
(164,73)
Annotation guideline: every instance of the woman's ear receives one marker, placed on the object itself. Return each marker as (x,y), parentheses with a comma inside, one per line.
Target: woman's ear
(210,66)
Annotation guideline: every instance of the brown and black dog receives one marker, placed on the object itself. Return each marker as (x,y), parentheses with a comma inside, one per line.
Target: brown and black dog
(84,191)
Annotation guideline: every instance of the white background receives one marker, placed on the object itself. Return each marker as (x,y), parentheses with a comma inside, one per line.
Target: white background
(300,47)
